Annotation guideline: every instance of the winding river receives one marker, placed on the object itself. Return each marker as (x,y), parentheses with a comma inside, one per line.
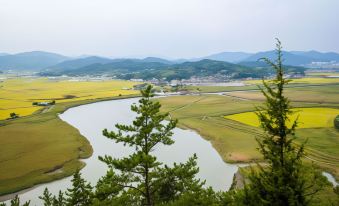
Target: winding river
(91,119)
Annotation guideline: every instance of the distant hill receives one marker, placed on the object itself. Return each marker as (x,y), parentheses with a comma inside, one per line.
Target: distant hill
(156,59)
(88,62)
(289,58)
(229,56)
(318,56)
(115,67)
(55,64)
(139,69)
(295,58)
(78,63)
(35,60)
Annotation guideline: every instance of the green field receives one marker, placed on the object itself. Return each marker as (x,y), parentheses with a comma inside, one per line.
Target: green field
(322,74)
(40,148)
(327,94)
(306,80)
(235,141)
(219,88)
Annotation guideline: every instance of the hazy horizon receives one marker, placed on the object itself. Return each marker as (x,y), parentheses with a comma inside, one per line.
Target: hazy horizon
(169,28)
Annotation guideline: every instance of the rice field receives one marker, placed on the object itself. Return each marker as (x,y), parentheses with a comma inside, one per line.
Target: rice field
(307,80)
(310,94)
(322,74)
(308,117)
(18,94)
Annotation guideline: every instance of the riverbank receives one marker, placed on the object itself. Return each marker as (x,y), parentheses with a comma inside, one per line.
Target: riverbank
(36,146)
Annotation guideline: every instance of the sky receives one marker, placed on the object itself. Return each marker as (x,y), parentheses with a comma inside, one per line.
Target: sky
(166,28)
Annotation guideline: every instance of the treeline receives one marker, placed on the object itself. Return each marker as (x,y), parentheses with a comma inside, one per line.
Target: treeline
(140,179)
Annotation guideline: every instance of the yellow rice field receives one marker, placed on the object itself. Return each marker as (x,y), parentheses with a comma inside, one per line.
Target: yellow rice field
(308,117)
(18,94)
(307,80)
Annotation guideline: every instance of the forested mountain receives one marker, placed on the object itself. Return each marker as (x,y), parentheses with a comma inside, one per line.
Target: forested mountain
(77,63)
(242,64)
(35,60)
(95,62)
(129,69)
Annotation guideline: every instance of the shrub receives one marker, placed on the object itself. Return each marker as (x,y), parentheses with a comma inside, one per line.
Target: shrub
(13,115)
(336,122)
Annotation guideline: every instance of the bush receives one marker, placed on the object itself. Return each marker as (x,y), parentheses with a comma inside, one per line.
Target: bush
(13,115)
(336,122)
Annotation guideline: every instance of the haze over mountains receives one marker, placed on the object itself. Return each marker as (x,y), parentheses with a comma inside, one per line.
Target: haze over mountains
(240,64)
(35,60)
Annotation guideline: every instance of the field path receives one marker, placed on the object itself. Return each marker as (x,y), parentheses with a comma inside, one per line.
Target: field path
(188,105)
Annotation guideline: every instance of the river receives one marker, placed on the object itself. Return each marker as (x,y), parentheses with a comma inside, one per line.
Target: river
(91,119)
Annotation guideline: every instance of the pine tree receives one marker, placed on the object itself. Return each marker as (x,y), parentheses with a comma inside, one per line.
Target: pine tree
(139,178)
(50,200)
(282,180)
(47,198)
(81,192)
(173,182)
(60,200)
(147,131)
(16,202)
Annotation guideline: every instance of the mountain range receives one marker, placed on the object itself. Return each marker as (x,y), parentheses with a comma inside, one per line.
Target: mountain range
(239,64)
(160,69)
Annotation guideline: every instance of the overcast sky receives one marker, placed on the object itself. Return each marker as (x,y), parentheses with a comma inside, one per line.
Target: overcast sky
(167,28)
